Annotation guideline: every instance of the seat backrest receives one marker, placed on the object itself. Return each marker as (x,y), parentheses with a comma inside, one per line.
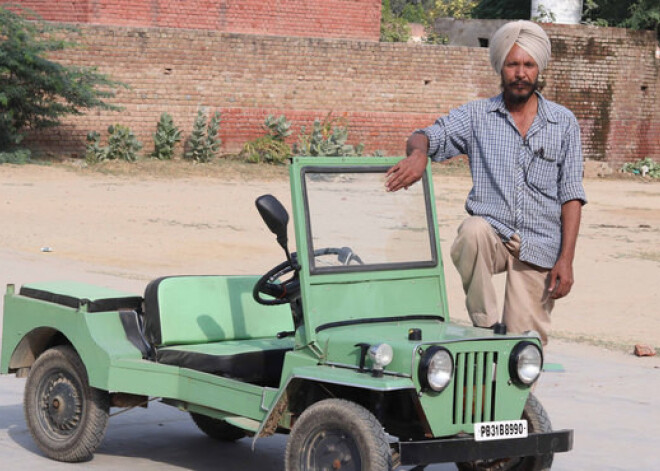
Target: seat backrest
(182,310)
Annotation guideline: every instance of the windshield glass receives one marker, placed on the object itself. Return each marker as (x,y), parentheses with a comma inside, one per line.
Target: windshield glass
(354,224)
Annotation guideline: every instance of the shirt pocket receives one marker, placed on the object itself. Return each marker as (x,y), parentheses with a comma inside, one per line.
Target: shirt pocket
(543,173)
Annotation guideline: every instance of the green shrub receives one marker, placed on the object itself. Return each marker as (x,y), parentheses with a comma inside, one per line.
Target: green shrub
(266,149)
(204,143)
(20,156)
(122,145)
(94,152)
(272,147)
(327,138)
(165,138)
(278,128)
(644,167)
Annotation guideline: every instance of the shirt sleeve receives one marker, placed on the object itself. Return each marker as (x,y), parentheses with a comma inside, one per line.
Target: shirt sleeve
(570,178)
(450,135)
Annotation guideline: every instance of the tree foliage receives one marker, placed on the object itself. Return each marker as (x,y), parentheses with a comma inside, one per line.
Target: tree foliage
(459,9)
(644,14)
(634,14)
(502,9)
(36,92)
(393,28)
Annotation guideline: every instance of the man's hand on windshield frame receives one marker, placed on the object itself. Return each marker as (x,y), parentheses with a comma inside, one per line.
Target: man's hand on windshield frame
(410,169)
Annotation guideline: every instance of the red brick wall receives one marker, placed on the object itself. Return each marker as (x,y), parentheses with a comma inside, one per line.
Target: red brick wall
(608,77)
(357,19)
(71,11)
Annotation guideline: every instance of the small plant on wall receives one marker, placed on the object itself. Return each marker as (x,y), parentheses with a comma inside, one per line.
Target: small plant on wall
(204,143)
(122,145)
(166,137)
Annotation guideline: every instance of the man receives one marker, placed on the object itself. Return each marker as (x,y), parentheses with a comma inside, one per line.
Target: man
(526,200)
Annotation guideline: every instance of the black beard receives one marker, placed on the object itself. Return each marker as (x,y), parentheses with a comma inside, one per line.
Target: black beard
(518,99)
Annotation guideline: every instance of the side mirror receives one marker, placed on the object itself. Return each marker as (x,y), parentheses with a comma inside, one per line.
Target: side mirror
(275,217)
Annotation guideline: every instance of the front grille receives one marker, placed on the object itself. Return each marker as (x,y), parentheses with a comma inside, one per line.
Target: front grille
(474,387)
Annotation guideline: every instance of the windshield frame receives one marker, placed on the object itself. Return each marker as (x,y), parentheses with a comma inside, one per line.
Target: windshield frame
(376,267)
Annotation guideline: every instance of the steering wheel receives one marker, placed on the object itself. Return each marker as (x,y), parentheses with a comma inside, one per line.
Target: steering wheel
(345,255)
(285,291)
(281,292)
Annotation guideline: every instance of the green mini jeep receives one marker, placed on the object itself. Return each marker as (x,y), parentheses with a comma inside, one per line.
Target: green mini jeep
(347,345)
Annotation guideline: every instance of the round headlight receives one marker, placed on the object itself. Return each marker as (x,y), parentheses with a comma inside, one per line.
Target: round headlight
(526,363)
(436,368)
(381,355)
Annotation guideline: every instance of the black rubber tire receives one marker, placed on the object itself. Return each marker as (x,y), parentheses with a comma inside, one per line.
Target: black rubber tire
(337,434)
(217,429)
(66,417)
(538,421)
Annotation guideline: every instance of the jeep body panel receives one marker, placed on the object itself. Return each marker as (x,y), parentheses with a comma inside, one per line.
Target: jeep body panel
(385,286)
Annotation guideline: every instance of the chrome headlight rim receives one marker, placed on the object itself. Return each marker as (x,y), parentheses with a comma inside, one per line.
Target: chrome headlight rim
(514,370)
(425,363)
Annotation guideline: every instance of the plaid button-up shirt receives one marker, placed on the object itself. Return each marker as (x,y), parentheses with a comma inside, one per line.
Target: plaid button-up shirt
(518,184)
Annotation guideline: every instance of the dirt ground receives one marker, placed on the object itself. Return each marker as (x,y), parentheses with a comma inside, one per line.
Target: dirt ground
(137,222)
(121,225)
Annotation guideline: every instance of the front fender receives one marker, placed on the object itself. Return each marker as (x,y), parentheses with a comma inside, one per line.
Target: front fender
(328,375)
(350,377)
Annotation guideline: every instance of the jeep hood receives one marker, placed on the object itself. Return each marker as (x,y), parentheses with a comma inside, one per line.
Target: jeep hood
(342,345)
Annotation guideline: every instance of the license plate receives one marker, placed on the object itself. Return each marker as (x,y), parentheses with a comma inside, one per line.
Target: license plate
(500,430)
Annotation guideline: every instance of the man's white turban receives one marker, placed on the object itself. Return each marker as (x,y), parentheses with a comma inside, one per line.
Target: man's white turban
(526,34)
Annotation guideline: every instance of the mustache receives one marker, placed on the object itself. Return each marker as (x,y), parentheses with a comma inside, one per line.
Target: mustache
(515,83)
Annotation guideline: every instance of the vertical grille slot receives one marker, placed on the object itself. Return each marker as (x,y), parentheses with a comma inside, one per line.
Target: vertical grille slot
(474,387)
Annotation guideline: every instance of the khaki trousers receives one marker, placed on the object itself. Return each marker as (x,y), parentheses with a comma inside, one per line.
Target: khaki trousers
(478,253)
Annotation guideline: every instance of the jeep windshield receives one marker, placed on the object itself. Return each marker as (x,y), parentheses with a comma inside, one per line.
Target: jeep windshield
(354,224)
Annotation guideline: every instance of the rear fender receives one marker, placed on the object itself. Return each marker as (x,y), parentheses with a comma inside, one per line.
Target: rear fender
(31,326)
(34,344)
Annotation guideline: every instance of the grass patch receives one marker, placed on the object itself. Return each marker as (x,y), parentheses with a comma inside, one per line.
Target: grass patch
(651,256)
(227,168)
(646,255)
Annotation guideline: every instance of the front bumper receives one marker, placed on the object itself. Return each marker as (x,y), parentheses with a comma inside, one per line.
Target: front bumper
(455,450)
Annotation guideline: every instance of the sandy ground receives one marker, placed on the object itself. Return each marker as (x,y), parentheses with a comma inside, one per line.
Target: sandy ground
(137,227)
(123,230)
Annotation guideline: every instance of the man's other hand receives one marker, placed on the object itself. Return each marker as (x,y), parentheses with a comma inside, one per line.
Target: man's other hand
(561,279)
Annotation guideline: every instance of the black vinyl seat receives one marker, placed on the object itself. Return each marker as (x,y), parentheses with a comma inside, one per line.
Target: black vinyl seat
(257,361)
(213,325)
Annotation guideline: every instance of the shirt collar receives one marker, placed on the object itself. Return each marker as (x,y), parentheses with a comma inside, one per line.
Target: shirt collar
(544,111)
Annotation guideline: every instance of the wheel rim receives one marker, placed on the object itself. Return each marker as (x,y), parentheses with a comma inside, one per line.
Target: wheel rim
(61,404)
(328,450)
